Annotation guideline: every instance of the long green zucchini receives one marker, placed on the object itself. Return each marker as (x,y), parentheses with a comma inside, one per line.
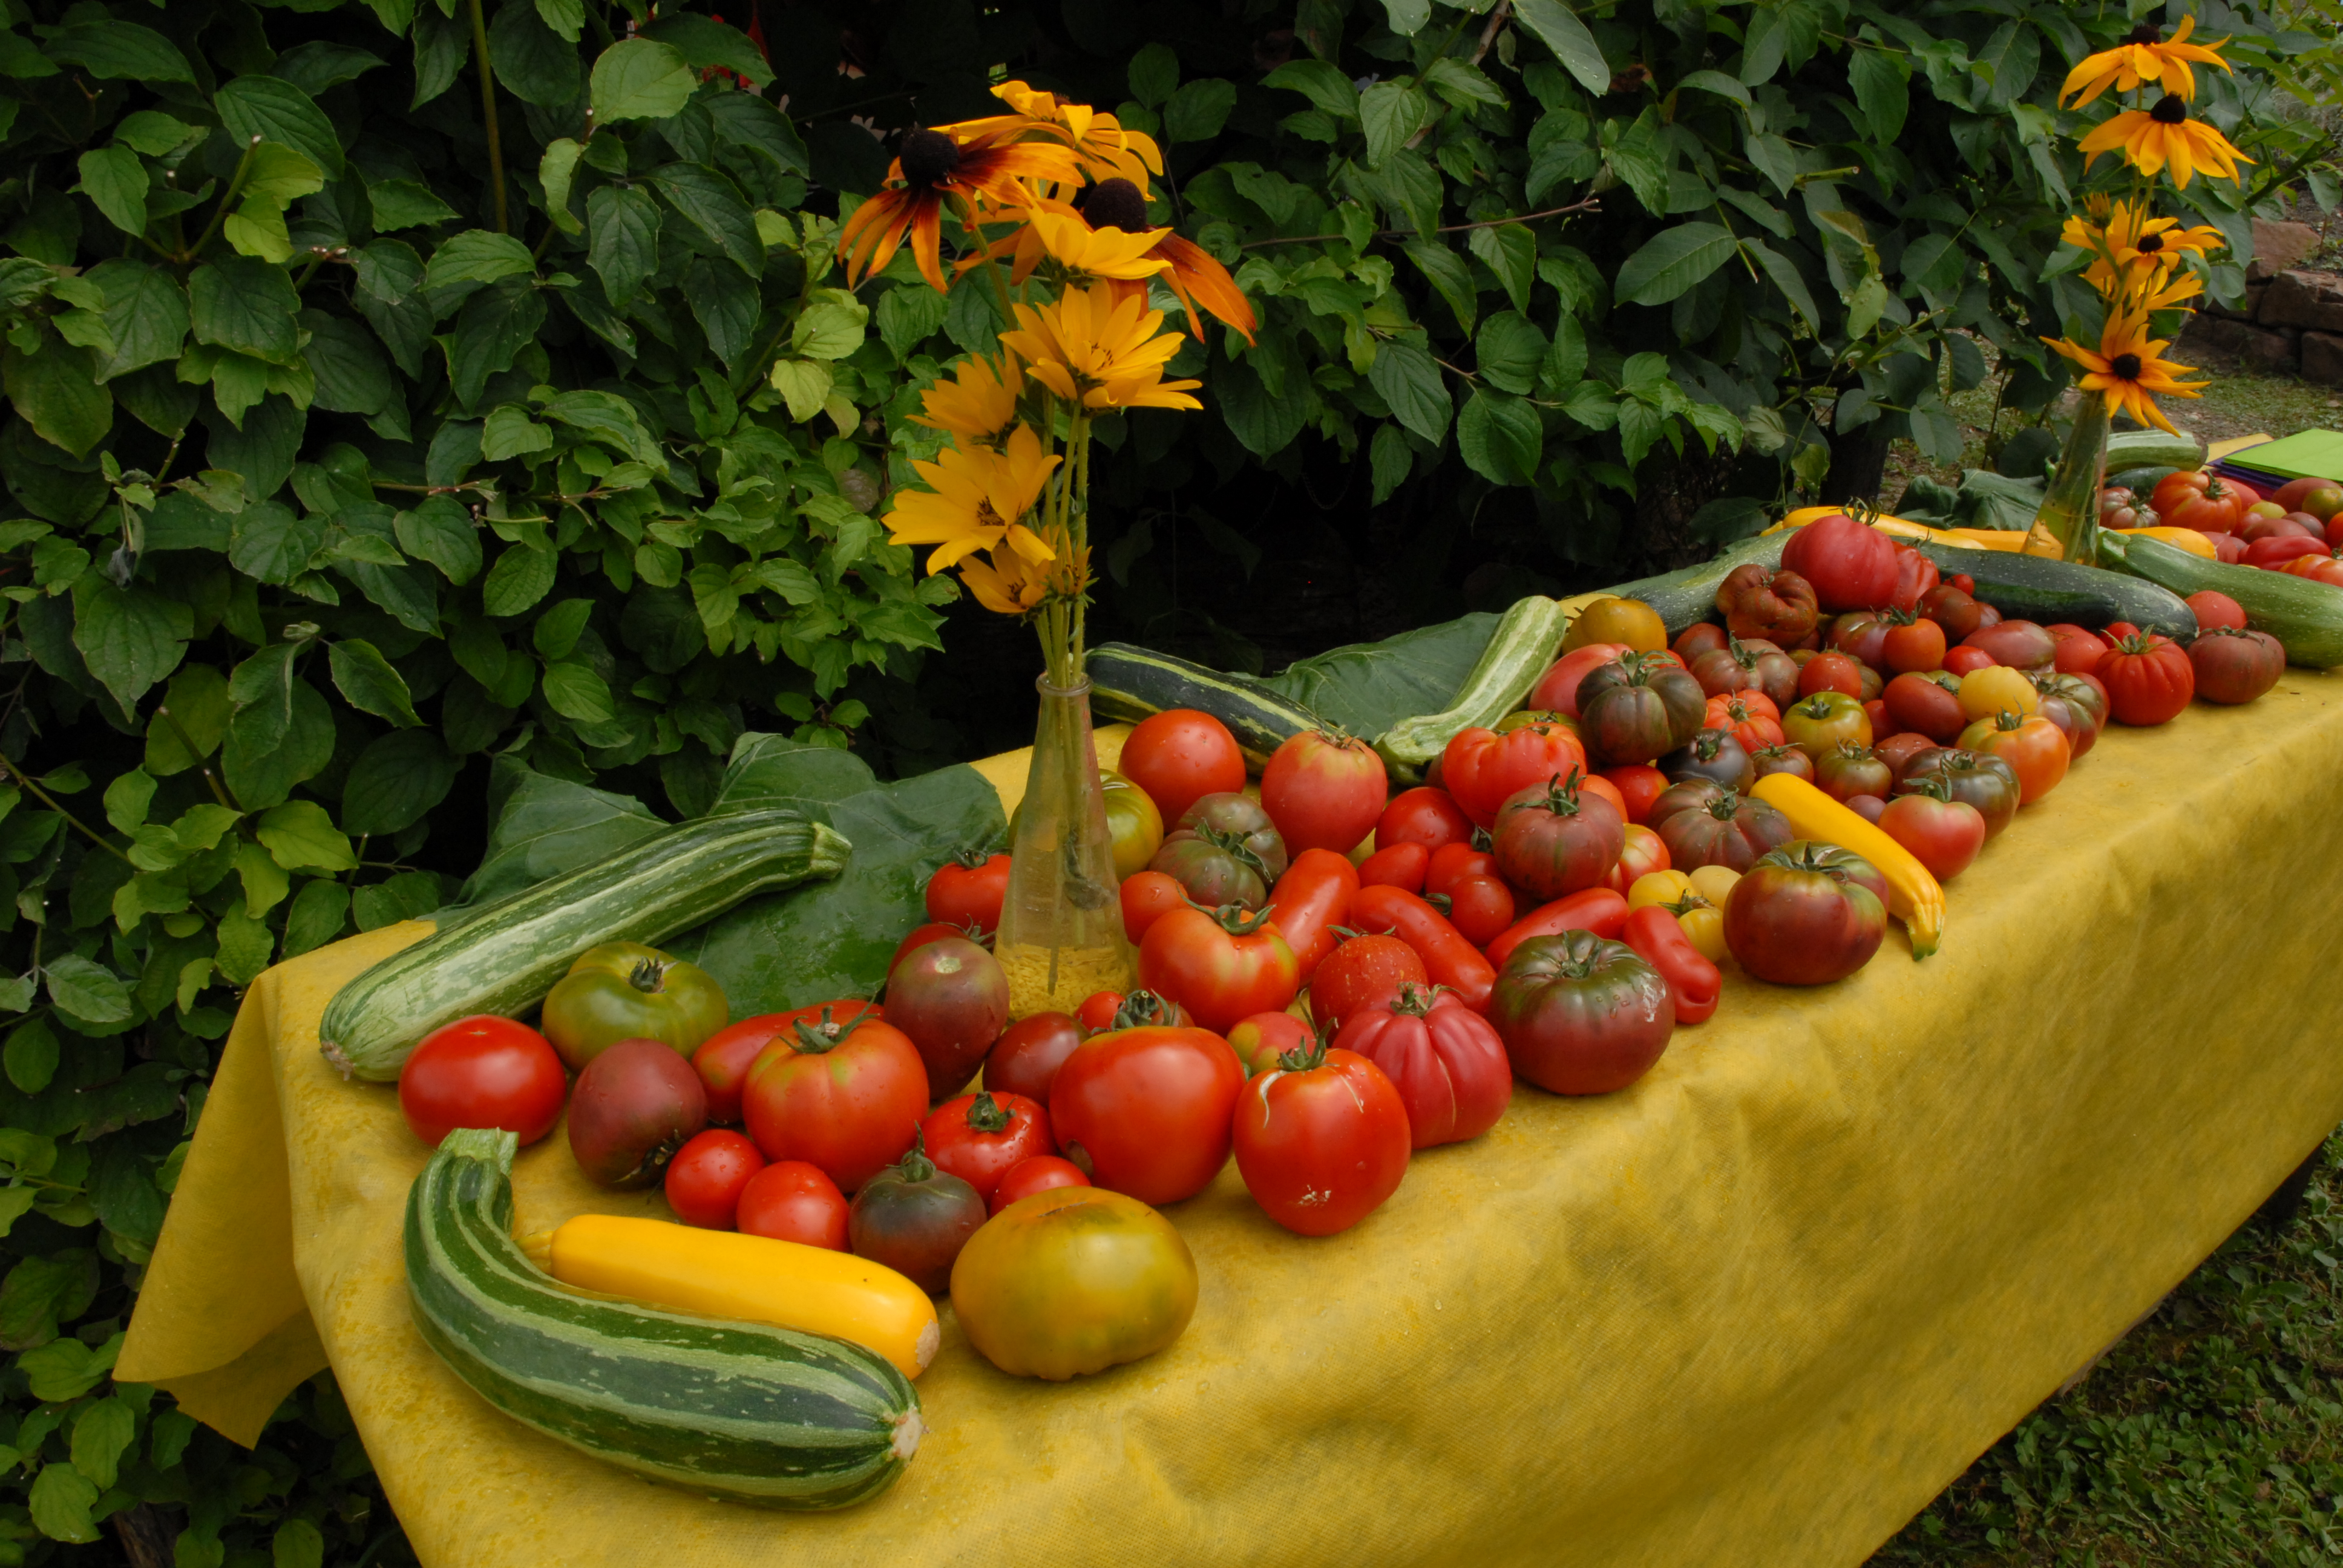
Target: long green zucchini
(1689,597)
(1134,683)
(2300,612)
(503,958)
(1519,650)
(747,1411)
(2048,592)
(2138,448)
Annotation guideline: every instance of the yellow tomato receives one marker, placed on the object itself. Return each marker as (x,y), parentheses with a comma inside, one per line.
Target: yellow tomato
(1134,822)
(1713,883)
(1514,721)
(1627,620)
(1657,888)
(1074,1280)
(1996,689)
(1703,927)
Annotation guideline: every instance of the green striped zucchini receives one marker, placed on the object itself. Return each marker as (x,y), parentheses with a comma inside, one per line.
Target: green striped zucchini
(505,958)
(2303,613)
(1130,684)
(747,1411)
(1519,650)
(2138,448)
(2048,592)
(1689,597)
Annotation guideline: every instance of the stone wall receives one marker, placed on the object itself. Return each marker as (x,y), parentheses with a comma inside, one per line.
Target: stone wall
(2291,320)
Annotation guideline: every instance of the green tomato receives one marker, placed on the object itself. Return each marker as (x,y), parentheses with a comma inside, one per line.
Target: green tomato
(625,991)
(1819,724)
(1136,825)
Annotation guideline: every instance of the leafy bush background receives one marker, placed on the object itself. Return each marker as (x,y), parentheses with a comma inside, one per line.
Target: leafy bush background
(341,468)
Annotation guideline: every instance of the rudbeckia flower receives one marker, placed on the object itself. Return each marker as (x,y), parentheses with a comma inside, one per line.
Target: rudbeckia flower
(1105,147)
(2165,134)
(2128,366)
(2120,234)
(934,168)
(1006,583)
(1089,347)
(975,500)
(977,406)
(2140,59)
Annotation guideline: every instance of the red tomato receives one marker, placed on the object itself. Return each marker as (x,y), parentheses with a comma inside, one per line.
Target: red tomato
(1179,756)
(1320,1146)
(2234,666)
(1580,1015)
(1452,863)
(981,1137)
(1401,864)
(1362,972)
(1221,967)
(1445,1060)
(1552,840)
(1486,768)
(1694,983)
(1915,579)
(1928,704)
(791,1201)
(1039,1174)
(1423,816)
(1259,1040)
(1850,566)
(2079,648)
(1951,607)
(1598,909)
(1639,783)
(1557,689)
(2216,609)
(2149,680)
(1942,833)
(2019,644)
(2036,749)
(2327,569)
(1916,645)
(1831,672)
(1750,716)
(968,891)
(1962,659)
(1323,792)
(2280,549)
(847,1097)
(1103,1011)
(1309,900)
(1805,914)
(1148,896)
(1480,907)
(705,1179)
(1448,959)
(482,1072)
(1028,1053)
(935,931)
(1150,1109)
(2201,501)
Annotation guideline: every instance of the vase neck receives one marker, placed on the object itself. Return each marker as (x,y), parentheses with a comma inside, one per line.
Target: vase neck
(1080,689)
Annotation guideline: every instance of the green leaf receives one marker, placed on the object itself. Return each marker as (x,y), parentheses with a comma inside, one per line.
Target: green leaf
(397,780)
(102,1433)
(406,204)
(270,542)
(145,315)
(316,65)
(712,204)
(640,79)
(532,61)
(509,432)
(408,896)
(566,17)
(248,305)
(1408,16)
(1449,275)
(908,316)
(266,756)
(1199,109)
(1560,30)
(298,1543)
(62,1495)
(30,1057)
(118,51)
(495,325)
(1154,73)
(1405,378)
(57,393)
(555,171)
(264,881)
(575,692)
(130,638)
(115,183)
(85,990)
(198,704)
(725,305)
(1672,261)
(318,912)
(707,44)
(830,330)
(1509,250)
(545,826)
(476,255)
(520,578)
(1878,78)
(558,629)
(299,834)
(1390,113)
(279,176)
(1389,458)
(1499,437)
(803,384)
(2009,61)
(363,676)
(607,418)
(1716,82)
(264,108)
(1508,350)
(1787,278)
(126,801)
(749,122)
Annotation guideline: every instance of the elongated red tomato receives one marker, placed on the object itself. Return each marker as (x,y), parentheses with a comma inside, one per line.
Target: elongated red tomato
(1448,959)
(1309,900)
(1221,967)
(1597,909)
(1399,865)
(1322,1141)
(1694,981)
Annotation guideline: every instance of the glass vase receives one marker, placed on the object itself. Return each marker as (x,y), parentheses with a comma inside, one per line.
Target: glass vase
(1061,938)
(2067,525)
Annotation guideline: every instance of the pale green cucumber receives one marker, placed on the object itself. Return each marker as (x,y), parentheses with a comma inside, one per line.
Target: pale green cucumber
(505,958)
(751,1412)
(2303,613)
(1519,650)
(2140,448)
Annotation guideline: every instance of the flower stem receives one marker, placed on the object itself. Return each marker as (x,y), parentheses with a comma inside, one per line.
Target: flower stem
(489,114)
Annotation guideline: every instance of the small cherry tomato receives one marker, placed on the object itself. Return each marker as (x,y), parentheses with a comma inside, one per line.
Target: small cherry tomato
(1148,898)
(1423,816)
(707,1176)
(1261,1040)
(1452,863)
(968,890)
(1039,1174)
(482,1072)
(791,1201)
(1963,660)
(979,1137)
(1401,864)
(1480,907)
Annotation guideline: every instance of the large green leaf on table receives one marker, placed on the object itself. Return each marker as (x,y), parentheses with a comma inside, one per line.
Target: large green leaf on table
(546,826)
(834,938)
(1368,687)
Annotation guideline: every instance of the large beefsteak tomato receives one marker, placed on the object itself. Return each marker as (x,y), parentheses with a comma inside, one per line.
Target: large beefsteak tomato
(1148,1109)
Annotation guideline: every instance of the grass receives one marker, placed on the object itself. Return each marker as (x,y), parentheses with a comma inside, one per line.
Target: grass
(2211,1435)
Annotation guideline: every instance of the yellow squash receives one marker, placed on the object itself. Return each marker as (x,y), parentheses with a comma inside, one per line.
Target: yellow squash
(726,1274)
(2189,539)
(1897,528)
(1913,896)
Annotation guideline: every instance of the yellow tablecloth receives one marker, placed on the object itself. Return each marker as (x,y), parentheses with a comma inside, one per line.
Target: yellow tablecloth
(1756,1309)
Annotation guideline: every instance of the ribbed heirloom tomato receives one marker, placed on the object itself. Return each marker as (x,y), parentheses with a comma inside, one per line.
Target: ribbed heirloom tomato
(1445,1060)
(1322,1141)
(2149,680)
(1580,1015)
(2189,500)
(847,1097)
(1484,769)
(1148,1109)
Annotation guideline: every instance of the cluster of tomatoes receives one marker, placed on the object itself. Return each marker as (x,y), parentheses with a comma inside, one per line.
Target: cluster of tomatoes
(2298,529)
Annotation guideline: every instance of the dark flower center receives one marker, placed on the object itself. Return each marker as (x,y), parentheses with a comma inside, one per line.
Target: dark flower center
(2145,33)
(2126,366)
(2170,110)
(1116,203)
(928,157)
(2150,244)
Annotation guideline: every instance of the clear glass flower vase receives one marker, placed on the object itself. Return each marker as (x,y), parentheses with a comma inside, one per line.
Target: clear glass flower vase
(2067,525)
(1060,937)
